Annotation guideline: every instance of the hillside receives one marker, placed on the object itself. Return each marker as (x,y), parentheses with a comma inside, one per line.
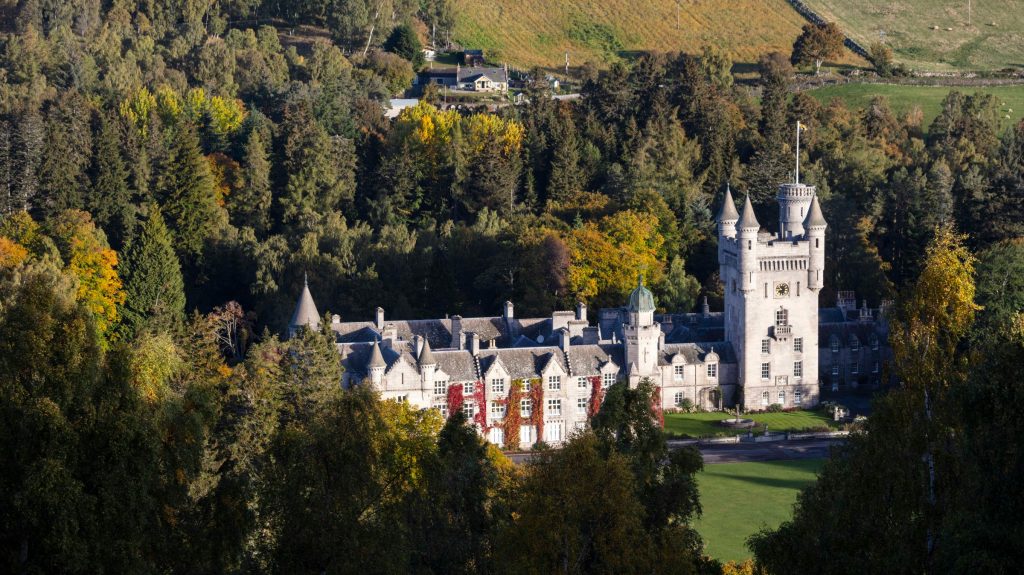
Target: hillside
(539,32)
(995,38)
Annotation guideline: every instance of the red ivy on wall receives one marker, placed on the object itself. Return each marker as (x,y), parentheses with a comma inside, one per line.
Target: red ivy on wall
(480,398)
(455,398)
(537,399)
(513,417)
(596,395)
(659,413)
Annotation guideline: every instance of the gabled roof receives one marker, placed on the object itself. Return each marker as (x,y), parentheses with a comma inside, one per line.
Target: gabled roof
(305,310)
(523,362)
(728,211)
(748,219)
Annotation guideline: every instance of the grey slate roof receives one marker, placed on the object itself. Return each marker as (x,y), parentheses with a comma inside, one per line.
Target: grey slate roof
(748,219)
(458,364)
(589,359)
(814,215)
(697,352)
(521,363)
(728,211)
(469,74)
(305,310)
(376,358)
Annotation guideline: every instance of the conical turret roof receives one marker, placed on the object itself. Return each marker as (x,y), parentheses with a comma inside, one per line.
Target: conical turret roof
(305,310)
(814,215)
(728,211)
(748,219)
(427,356)
(376,359)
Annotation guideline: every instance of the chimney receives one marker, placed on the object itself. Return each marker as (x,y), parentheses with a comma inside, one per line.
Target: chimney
(705,309)
(389,334)
(564,339)
(379,319)
(509,311)
(581,311)
(457,339)
(473,343)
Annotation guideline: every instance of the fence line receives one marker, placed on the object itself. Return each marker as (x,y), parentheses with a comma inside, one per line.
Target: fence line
(814,18)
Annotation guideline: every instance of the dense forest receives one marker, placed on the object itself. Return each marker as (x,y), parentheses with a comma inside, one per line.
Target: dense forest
(170,171)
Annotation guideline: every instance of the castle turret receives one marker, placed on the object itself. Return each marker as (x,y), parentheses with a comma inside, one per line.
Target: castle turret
(794,201)
(727,216)
(305,313)
(746,236)
(376,365)
(427,362)
(642,334)
(815,225)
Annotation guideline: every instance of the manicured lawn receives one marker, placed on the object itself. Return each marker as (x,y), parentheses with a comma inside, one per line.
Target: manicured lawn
(929,98)
(740,498)
(705,424)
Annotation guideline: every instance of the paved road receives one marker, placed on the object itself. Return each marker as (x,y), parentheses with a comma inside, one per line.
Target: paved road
(741,452)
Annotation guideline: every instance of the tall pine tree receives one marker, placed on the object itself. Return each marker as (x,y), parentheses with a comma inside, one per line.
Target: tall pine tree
(186,192)
(154,289)
(109,198)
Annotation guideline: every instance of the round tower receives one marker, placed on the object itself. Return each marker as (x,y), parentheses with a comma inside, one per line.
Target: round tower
(794,201)
(727,216)
(746,245)
(815,225)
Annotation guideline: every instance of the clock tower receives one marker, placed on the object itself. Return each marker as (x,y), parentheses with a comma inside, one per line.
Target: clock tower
(771,283)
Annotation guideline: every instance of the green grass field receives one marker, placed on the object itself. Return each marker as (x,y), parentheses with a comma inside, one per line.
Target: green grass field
(993,40)
(704,424)
(539,32)
(929,98)
(740,498)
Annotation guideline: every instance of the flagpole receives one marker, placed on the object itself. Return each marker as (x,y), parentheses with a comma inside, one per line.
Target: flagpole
(798,151)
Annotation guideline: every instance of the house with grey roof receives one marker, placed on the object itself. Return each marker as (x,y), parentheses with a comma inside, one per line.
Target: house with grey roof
(468,78)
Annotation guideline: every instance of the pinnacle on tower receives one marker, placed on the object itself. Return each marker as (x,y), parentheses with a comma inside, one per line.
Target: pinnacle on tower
(305,310)
(376,358)
(748,219)
(426,356)
(814,215)
(728,211)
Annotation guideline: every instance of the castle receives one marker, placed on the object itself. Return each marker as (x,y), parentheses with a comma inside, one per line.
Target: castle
(770,346)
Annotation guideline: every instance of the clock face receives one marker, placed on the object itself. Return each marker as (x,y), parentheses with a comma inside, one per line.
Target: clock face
(781,290)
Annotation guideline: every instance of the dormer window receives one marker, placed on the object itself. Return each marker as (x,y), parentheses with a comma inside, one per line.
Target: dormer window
(781,317)
(607,380)
(834,341)
(677,372)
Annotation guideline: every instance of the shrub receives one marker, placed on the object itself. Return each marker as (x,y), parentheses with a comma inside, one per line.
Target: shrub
(774,408)
(686,405)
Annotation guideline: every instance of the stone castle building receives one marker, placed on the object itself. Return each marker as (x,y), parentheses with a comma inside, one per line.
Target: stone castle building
(771,344)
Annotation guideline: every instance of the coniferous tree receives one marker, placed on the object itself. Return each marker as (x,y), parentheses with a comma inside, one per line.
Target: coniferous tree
(109,198)
(251,205)
(153,285)
(186,193)
(27,149)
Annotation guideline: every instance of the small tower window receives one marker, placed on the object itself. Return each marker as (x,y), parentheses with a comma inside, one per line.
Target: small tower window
(816,244)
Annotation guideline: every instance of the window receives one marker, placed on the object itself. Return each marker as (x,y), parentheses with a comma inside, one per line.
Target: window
(581,382)
(679,398)
(835,344)
(764,398)
(712,370)
(607,380)
(782,397)
(874,368)
(677,372)
(441,387)
(443,408)
(781,317)
(835,369)
(874,343)
(468,388)
(766,346)
(497,409)
(526,407)
(554,407)
(526,385)
(554,382)
(798,369)
(854,368)
(581,405)
(854,344)
(798,344)
(402,399)
(469,408)
(498,385)
(798,397)
(766,371)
